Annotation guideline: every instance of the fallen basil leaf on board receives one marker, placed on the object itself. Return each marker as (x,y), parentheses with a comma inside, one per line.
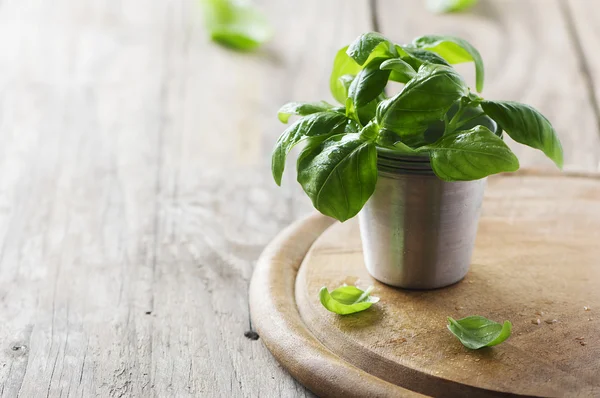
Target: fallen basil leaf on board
(476,332)
(347,299)
(236,24)
(441,6)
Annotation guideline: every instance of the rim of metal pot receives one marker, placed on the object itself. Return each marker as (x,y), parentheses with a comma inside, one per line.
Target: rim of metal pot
(392,162)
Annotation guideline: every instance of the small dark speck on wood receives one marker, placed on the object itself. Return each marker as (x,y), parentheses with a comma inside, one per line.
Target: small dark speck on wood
(148,312)
(251,334)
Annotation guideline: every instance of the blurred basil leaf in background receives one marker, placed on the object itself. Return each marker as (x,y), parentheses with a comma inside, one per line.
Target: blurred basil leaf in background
(236,24)
(441,6)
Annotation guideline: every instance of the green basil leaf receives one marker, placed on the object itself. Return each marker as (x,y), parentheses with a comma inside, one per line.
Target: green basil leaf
(470,155)
(454,50)
(370,131)
(347,294)
(416,57)
(367,112)
(236,24)
(345,82)
(467,120)
(388,139)
(316,124)
(352,127)
(302,109)
(424,99)
(370,45)
(527,126)
(351,111)
(401,70)
(403,148)
(476,332)
(441,6)
(347,299)
(343,65)
(339,175)
(368,84)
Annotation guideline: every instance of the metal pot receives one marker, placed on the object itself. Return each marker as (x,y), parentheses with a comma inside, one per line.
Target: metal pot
(418,231)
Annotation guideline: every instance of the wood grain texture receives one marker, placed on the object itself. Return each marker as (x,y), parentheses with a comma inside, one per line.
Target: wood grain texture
(583,22)
(218,205)
(135,193)
(80,123)
(535,260)
(530,56)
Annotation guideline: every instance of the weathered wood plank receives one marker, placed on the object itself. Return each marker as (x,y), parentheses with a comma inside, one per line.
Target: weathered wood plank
(583,21)
(135,193)
(218,204)
(529,56)
(80,123)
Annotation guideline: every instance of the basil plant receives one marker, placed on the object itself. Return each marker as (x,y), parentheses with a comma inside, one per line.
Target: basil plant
(338,166)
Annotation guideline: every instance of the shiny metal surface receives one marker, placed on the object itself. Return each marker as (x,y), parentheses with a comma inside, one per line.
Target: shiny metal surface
(418,231)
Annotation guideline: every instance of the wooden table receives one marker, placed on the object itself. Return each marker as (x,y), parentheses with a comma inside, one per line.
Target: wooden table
(135,192)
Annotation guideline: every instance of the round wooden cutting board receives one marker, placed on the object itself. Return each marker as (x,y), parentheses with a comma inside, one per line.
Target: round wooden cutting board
(536,263)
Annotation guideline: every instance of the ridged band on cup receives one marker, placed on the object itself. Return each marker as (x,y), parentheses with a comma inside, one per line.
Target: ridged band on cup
(392,162)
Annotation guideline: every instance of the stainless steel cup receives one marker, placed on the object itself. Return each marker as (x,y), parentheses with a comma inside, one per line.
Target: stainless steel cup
(418,231)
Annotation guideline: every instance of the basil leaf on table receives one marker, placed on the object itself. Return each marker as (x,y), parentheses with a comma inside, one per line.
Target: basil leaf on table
(236,24)
(476,332)
(339,174)
(470,155)
(454,50)
(316,124)
(368,84)
(370,45)
(347,299)
(424,99)
(343,65)
(450,5)
(302,109)
(527,126)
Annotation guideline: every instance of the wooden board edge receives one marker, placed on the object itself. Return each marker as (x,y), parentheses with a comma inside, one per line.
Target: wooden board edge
(276,318)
